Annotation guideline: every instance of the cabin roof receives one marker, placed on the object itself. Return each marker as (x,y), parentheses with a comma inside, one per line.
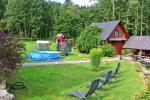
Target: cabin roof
(138,42)
(107,27)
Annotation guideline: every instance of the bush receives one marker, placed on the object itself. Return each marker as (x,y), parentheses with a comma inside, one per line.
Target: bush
(147,66)
(137,67)
(147,81)
(88,39)
(145,95)
(108,49)
(11,54)
(126,51)
(96,55)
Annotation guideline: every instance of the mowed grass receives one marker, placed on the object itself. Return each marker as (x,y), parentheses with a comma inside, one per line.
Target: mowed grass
(55,82)
(30,46)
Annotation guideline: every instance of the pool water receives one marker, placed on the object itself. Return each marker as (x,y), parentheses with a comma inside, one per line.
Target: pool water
(43,55)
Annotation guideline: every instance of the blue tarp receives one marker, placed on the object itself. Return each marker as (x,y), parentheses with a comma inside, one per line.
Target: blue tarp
(43,55)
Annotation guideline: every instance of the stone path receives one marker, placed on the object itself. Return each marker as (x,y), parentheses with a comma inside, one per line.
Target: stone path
(56,62)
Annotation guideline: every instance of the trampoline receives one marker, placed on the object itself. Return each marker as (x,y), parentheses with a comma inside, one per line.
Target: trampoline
(43,55)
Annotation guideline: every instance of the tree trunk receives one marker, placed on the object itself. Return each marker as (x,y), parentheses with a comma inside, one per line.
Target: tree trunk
(136,21)
(113,2)
(141,18)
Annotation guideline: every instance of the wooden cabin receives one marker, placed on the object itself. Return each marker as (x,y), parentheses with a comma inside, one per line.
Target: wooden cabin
(115,33)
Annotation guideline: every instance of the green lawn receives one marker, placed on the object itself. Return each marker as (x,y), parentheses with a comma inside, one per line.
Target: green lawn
(54,82)
(75,55)
(30,45)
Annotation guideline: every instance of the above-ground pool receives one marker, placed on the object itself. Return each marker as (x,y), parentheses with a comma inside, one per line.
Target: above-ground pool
(43,55)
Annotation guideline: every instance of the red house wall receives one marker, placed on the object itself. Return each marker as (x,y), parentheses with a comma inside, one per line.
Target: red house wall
(118,45)
(122,32)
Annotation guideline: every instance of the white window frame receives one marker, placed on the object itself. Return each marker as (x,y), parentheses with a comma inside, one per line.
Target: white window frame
(116,35)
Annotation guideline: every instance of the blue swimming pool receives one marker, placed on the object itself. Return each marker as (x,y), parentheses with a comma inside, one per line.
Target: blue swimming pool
(43,55)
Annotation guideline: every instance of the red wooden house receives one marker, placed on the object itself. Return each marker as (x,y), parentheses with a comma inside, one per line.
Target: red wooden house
(115,33)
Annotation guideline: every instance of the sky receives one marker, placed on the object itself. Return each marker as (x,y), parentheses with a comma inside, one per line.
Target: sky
(79,2)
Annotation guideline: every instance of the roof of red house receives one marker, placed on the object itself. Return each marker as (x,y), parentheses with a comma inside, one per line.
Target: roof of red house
(107,27)
(138,42)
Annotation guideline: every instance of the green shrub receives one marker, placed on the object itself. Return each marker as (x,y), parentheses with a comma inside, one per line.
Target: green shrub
(137,67)
(11,54)
(108,49)
(145,95)
(96,55)
(147,66)
(147,81)
(88,39)
(126,51)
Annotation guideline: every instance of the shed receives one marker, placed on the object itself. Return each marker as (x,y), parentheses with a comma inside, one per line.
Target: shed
(139,43)
(115,33)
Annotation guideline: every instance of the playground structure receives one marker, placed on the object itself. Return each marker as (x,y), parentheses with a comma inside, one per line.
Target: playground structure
(63,45)
(60,41)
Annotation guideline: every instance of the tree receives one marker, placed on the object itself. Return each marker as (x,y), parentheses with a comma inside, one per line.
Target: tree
(133,13)
(28,18)
(68,2)
(88,39)
(105,9)
(2,8)
(54,12)
(41,18)
(68,21)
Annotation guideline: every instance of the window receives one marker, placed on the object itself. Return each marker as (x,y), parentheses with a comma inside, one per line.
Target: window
(116,33)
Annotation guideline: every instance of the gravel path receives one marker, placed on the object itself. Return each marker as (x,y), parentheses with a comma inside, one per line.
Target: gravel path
(64,62)
(56,62)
